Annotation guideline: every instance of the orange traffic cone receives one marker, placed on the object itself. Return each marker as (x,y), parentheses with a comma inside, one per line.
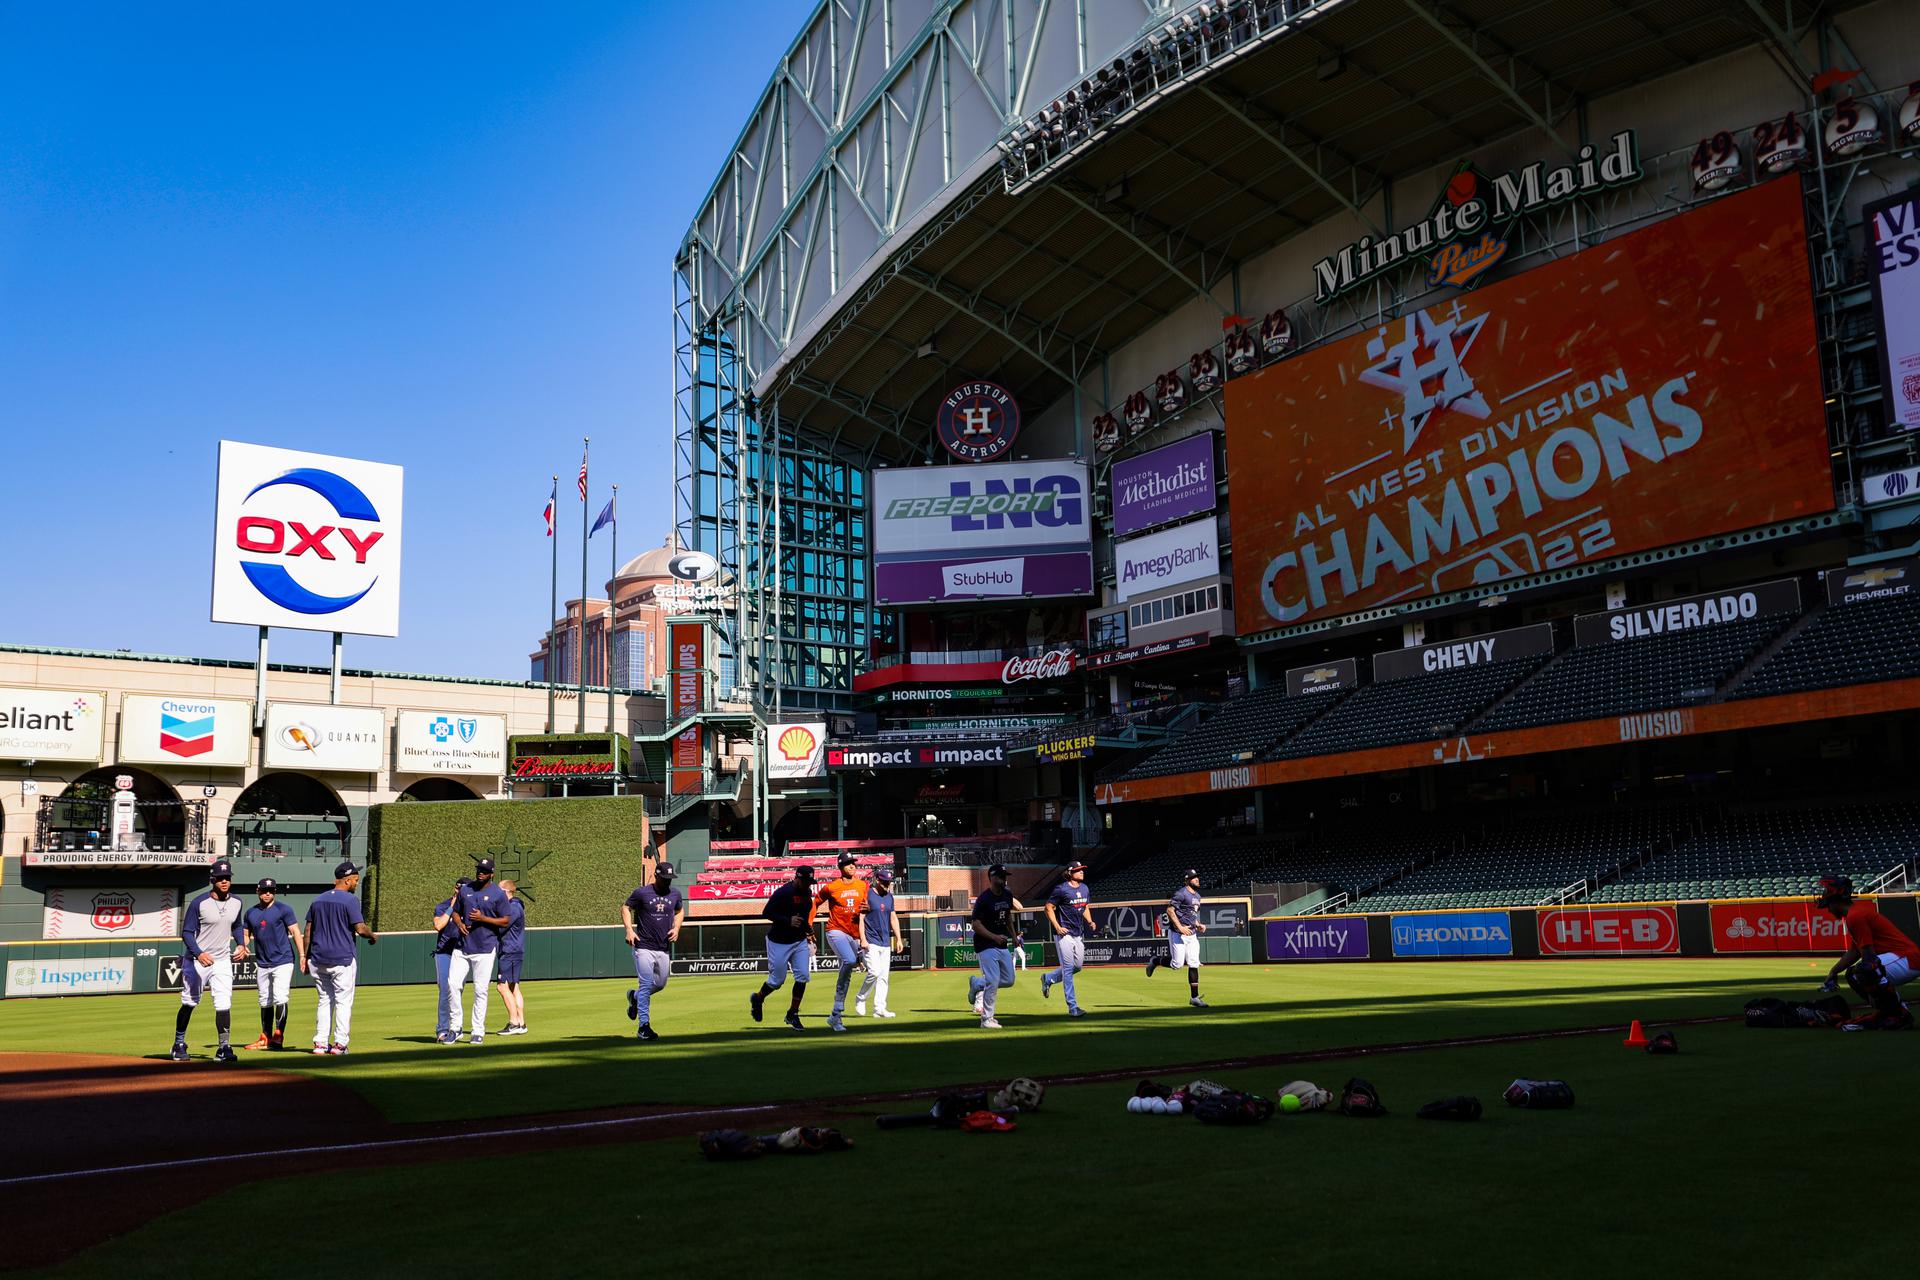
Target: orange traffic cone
(1636,1036)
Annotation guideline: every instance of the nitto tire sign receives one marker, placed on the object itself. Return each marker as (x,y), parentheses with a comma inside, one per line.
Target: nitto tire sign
(1609,931)
(1454,933)
(1775,926)
(306,540)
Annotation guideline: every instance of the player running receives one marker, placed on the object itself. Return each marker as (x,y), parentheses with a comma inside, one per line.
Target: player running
(1879,957)
(993,938)
(1071,922)
(513,952)
(652,915)
(845,898)
(883,943)
(275,931)
(334,922)
(789,944)
(481,910)
(1183,936)
(211,938)
(446,941)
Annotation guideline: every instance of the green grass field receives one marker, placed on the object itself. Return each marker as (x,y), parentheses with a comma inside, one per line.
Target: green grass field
(1676,1159)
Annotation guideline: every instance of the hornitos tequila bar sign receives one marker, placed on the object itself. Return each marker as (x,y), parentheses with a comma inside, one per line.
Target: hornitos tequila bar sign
(1465,234)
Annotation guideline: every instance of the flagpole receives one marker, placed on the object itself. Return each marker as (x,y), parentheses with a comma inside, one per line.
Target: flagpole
(581,723)
(613,573)
(553,598)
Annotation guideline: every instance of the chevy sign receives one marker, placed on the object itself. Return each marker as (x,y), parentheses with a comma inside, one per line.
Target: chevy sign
(306,540)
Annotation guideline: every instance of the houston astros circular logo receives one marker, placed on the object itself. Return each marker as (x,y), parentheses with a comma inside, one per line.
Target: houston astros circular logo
(978,421)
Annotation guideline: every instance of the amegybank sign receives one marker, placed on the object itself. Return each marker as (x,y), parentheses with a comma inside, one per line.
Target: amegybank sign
(52,724)
(1184,553)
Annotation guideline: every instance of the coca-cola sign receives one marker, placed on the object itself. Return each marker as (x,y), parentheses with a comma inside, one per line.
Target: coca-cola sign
(1047,666)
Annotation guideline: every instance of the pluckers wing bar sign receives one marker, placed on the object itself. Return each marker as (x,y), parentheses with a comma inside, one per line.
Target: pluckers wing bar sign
(567,756)
(1655,389)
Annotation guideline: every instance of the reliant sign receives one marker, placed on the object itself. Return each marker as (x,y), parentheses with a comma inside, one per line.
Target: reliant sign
(1163,485)
(52,724)
(1472,215)
(309,736)
(183,730)
(449,742)
(306,540)
(1184,553)
(1690,613)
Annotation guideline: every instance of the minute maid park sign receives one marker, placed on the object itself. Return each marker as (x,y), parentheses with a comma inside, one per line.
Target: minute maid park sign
(1465,234)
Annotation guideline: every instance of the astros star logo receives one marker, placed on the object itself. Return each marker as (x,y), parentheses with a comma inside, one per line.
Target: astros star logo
(1426,369)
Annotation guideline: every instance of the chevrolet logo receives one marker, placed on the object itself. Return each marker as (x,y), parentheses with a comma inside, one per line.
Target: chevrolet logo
(1320,675)
(1875,577)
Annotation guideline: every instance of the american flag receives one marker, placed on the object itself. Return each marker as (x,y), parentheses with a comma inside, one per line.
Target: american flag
(583,475)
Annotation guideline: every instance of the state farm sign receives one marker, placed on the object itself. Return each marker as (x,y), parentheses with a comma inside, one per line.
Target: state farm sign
(1775,926)
(1609,931)
(1048,666)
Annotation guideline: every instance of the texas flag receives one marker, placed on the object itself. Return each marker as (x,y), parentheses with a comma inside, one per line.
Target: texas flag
(180,736)
(548,513)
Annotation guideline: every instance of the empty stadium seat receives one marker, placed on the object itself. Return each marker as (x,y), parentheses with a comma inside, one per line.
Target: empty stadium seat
(1241,731)
(1410,710)
(1847,644)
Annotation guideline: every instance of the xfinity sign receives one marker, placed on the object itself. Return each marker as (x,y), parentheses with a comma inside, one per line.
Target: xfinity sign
(306,540)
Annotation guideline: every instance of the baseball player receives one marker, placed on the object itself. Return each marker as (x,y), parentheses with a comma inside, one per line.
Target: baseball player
(652,914)
(1183,936)
(845,898)
(1071,922)
(882,929)
(1878,959)
(275,931)
(789,944)
(445,942)
(993,938)
(211,938)
(481,910)
(334,922)
(513,951)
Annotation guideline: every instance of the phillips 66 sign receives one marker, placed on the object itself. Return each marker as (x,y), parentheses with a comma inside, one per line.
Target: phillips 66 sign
(306,540)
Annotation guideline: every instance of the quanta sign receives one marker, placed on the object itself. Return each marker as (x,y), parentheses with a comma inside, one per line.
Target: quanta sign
(307,540)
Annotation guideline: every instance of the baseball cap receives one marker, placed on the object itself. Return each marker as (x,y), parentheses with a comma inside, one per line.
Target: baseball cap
(1076,865)
(344,870)
(996,870)
(484,867)
(221,870)
(267,884)
(664,871)
(884,875)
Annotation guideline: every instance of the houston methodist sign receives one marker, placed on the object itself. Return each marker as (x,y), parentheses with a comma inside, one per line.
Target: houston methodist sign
(306,540)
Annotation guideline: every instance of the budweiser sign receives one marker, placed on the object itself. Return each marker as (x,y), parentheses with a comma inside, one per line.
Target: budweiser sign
(1048,666)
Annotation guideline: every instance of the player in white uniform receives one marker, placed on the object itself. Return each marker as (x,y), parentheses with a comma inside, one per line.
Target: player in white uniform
(212,938)
(1184,928)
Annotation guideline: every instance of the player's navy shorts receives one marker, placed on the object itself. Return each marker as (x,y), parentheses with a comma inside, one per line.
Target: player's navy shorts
(508,970)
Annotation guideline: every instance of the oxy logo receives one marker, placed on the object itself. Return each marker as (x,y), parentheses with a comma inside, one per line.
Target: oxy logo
(260,532)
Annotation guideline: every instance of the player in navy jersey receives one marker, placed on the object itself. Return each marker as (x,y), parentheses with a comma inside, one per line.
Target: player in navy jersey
(1071,922)
(446,941)
(482,912)
(993,940)
(882,926)
(789,944)
(334,924)
(652,915)
(1183,936)
(513,953)
(275,931)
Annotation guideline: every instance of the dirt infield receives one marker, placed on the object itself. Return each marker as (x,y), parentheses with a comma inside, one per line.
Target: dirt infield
(100,1145)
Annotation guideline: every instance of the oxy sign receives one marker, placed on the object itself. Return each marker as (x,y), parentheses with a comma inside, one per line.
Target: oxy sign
(306,540)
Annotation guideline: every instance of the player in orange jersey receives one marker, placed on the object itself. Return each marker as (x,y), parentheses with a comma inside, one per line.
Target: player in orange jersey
(845,898)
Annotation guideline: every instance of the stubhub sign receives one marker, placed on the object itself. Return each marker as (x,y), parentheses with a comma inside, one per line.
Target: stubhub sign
(306,540)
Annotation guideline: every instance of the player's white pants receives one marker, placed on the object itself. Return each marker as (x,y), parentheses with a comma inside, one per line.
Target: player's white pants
(215,979)
(874,983)
(480,965)
(847,948)
(333,1003)
(1019,952)
(996,971)
(651,969)
(1073,957)
(1896,966)
(442,962)
(782,956)
(275,983)
(1185,949)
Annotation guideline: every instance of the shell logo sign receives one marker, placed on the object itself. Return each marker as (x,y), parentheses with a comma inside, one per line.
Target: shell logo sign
(797,751)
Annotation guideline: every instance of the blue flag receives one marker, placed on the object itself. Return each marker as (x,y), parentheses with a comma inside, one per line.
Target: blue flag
(605,518)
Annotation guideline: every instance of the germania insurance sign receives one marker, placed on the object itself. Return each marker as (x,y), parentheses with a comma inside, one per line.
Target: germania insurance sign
(306,540)
(978,421)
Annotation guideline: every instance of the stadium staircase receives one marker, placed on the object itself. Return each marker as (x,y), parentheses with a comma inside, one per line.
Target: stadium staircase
(1410,710)
(1846,644)
(1240,731)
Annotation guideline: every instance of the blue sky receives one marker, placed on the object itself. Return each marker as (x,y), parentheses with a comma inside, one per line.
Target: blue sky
(438,236)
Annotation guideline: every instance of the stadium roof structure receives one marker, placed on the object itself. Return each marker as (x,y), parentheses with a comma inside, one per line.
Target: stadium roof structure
(1036,284)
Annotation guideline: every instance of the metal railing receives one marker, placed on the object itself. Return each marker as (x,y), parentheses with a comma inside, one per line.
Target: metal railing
(1566,893)
(1329,905)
